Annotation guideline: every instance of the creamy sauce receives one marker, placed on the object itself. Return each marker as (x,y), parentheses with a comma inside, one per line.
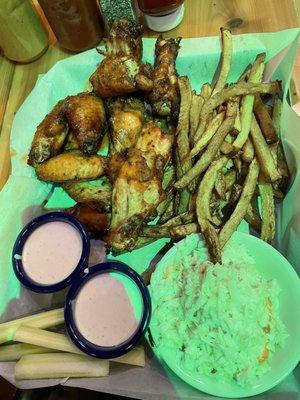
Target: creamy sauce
(51,252)
(103,311)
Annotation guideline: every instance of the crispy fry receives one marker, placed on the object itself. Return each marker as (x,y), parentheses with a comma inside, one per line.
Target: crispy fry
(168,177)
(226,57)
(206,91)
(211,129)
(237,123)
(203,210)
(183,144)
(205,191)
(267,210)
(71,166)
(169,212)
(247,102)
(238,89)
(248,151)
(230,178)
(242,205)
(265,121)
(228,149)
(181,199)
(263,153)
(212,242)
(157,231)
(276,116)
(196,105)
(184,230)
(220,185)
(253,218)
(212,148)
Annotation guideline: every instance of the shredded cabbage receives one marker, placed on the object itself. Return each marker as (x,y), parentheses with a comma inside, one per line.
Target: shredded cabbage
(223,319)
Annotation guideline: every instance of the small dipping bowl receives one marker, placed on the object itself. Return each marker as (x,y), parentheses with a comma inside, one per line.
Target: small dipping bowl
(108,310)
(50,252)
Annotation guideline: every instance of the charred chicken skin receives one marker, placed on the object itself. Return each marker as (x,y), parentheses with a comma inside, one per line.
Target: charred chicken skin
(137,189)
(165,95)
(121,71)
(83,114)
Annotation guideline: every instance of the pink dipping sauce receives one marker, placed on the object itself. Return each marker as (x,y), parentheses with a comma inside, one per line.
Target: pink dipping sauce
(51,252)
(103,311)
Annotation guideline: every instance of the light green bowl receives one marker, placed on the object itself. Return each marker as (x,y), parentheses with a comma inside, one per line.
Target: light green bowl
(271,265)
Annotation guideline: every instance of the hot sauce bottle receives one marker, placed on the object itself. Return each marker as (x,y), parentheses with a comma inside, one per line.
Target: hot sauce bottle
(76,24)
(162,15)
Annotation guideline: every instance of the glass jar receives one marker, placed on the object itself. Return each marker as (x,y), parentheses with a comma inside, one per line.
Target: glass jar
(162,15)
(22,36)
(76,24)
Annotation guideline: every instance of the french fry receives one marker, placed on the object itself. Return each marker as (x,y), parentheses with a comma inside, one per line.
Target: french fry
(196,105)
(228,149)
(248,151)
(267,210)
(211,129)
(220,186)
(169,212)
(203,210)
(239,89)
(184,230)
(226,56)
(212,241)
(242,205)
(212,148)
(253,218)
(183,144)
(276,115)
(60,365)
(265,121)
(164,230)
(237,123)
(206,91)
(263,153)
(182,199)
(255,76)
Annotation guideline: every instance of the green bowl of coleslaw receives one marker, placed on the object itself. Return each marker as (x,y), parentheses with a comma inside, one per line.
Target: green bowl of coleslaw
(230,330)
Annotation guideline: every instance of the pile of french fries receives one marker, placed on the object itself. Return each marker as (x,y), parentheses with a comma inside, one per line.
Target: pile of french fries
(228,158)
(41,353)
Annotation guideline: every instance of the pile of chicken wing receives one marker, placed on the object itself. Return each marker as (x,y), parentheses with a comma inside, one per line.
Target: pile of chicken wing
(135,106)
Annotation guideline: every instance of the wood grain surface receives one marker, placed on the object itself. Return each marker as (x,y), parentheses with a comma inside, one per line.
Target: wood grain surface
(202,18)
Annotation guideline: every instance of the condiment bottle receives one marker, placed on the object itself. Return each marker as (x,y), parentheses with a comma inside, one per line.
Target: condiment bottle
(162,15)
(76,24)
(22,36)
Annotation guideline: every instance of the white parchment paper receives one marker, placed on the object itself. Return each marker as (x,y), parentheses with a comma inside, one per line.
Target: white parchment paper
(23,195)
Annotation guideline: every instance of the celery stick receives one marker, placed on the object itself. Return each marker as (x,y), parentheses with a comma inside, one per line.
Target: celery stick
(45,319)
(59,341)
(134,357)
(60,365)
(40,337)
(14,352)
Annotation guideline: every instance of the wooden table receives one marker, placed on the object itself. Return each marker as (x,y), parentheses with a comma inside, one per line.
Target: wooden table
(202,18)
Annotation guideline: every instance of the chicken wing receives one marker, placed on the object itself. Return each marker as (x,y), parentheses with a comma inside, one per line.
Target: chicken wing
(90,191)
(71,166)
(83,113)
(137,190)
(121,71)
(86,118)
(94,219)
(165,94)
(126,118)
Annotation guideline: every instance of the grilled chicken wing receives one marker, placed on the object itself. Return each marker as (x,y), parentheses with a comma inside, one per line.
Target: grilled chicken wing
(121,71)
(90,191)
(126,118)
(83,113)
(137,189)
(94,219)
(71,166)
(165,94)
